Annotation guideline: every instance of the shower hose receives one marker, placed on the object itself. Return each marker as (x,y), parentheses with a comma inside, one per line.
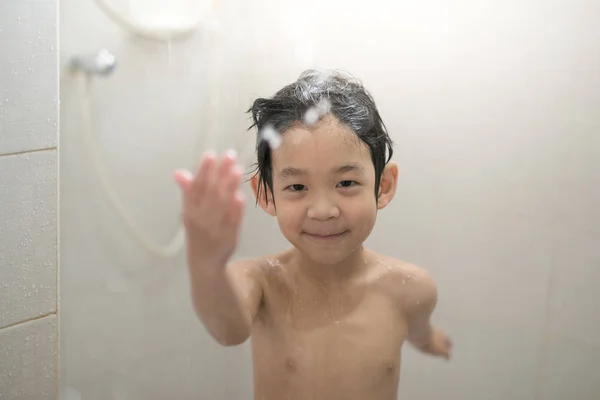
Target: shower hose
(176,243)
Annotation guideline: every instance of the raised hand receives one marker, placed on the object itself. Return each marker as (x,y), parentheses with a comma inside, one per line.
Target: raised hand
(212,206)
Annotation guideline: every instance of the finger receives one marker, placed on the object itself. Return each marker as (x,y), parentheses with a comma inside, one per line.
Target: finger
(227,190)
(227,162)
(203,177)
(232,182)
(236,209)
(230,186)
(183,178)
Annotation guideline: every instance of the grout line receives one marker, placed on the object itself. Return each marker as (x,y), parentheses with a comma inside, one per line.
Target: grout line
(13,325)
(18,153)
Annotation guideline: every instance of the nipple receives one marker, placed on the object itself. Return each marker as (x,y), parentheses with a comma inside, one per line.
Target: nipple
(290,364)
(390,367)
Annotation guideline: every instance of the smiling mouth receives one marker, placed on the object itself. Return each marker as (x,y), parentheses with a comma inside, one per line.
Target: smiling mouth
(326,236)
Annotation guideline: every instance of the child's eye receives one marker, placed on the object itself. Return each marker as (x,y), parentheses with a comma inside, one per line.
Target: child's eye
(347,184)
(296,187)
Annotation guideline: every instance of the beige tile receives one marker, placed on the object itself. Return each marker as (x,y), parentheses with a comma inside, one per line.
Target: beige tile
(28,360)
(404,229)
(493,359)
(491,264)
(571,371)
(411,373)
(576,203)
(487,160)
(29,75)
(28,236)
(158,350)
(574,295)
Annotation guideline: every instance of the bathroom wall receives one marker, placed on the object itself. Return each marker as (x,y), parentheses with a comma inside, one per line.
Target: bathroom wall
(493,106)
(28,199)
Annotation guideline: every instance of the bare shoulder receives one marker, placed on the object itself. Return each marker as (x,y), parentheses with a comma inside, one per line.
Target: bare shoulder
(410,284)
(256,268)
(248,267)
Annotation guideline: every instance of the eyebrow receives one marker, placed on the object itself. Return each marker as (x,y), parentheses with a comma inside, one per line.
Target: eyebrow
(352,167)
(289,172)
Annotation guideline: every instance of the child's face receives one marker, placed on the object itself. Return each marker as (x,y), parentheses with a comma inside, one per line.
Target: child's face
(324,190)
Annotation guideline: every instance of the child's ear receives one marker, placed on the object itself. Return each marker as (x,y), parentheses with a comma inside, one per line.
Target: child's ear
(387,185)
(259,194)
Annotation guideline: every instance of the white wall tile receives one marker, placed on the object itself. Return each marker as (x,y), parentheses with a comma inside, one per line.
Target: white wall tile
(496,264)
(571,371)
(574,294)
(29,75)
(28,360)
(410,216)
(576,203)
(493,359)
(28,235)
(411,373)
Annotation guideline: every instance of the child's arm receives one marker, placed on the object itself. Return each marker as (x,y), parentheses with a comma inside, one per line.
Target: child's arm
(226,299)
(419,305)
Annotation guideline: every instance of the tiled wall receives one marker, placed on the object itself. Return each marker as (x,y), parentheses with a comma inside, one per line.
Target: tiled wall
(28,199)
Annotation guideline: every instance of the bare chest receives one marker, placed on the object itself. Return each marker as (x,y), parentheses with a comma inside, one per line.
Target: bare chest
(327,347)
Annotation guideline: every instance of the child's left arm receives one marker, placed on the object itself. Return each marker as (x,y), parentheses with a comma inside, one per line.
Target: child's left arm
(419,304)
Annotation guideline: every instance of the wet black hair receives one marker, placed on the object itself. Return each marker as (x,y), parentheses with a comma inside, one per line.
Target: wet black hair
(346,99)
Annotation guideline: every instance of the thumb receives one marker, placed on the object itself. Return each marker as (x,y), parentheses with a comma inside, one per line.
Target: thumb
(183,178)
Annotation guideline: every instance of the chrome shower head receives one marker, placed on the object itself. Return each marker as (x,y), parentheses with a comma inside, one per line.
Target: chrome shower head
(103,63)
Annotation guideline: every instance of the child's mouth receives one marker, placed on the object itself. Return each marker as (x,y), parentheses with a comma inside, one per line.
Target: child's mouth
(326,236)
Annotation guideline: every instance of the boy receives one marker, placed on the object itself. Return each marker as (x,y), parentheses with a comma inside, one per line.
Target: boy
(327,317)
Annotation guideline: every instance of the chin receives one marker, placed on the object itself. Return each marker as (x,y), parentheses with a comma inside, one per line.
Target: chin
(328,256)
(329,251)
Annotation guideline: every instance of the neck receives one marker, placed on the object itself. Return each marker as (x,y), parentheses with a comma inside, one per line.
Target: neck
(340,272)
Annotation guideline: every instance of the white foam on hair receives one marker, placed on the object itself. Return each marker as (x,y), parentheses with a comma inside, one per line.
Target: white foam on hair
(313,114)
(271,136)
(323,76)
(324,106)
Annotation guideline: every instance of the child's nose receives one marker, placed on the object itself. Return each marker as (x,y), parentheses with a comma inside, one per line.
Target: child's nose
(323,208)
